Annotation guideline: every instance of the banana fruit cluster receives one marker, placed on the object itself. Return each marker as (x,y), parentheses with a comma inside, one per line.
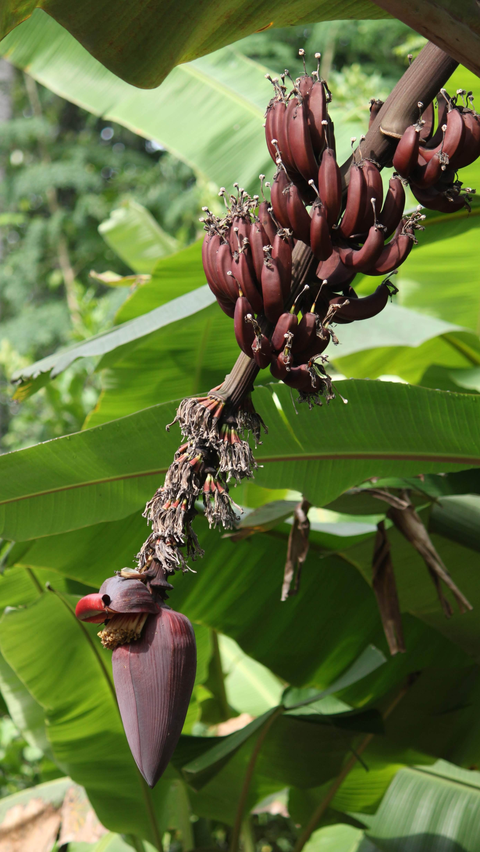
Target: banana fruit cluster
(247,254)
(429,156)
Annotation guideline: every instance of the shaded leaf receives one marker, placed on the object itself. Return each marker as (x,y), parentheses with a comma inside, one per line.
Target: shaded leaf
(339,838)
(144,48)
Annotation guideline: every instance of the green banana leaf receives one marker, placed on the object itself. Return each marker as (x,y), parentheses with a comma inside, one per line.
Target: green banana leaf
(51,791)
(220,596)
(339,838)
(142,45)
(135,236)
(458,518)
(108,472)
(429,808)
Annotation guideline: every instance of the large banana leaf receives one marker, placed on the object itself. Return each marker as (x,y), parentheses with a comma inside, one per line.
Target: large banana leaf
(142,44)
(429,808)
(209,113)
(108,472)
(220,596)
(133,234)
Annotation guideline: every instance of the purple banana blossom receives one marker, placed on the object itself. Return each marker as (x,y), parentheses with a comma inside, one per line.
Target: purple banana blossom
(154,665)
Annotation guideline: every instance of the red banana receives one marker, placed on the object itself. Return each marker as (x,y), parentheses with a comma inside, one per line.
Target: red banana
(470,148)
(451,140)
(262,351)
(363,258)
(320,239)
(406,154)
(335,272)
(316,347)
(373,180)
(330,186)
(317,114)
(244,332)
(280,185)
(442,104)
(243,274)
(428,119)
(258,239)
(440,201)
(352,220)
(272,290)
(286,322)
(282,252)
(226,282)
(266,221)
(366,307)
(392,210)
(300,142)
(278,367)
(297,214)
(394,253)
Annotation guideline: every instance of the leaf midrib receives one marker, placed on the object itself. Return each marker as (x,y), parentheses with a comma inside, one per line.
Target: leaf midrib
(468,461)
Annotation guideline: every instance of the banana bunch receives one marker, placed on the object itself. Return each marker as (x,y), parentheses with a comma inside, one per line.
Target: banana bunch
(247,254)
(429,157)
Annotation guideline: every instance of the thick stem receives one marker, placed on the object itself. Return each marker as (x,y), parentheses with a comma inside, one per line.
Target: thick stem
(421,82)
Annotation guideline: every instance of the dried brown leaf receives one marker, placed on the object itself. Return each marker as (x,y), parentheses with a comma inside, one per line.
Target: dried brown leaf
(385,590)
(297,550)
